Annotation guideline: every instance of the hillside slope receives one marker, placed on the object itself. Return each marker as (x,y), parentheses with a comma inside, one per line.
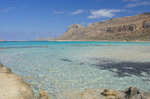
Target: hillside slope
(124,28)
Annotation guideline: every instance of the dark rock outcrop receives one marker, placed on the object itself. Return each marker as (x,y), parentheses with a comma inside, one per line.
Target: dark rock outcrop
(134,93)
(146,24)
(74,27)
(122,28)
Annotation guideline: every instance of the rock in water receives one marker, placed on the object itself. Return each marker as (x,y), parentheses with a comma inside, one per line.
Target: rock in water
(12,86)
(108,92)
(43,95)
(134,93)
(130,93)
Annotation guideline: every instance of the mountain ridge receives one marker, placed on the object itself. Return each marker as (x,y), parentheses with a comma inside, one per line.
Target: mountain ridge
(128,28)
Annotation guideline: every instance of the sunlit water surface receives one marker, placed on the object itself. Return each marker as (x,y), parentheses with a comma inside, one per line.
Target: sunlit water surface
(79,65)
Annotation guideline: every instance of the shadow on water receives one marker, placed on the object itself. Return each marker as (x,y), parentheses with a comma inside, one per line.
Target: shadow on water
(66,60)
(123,69)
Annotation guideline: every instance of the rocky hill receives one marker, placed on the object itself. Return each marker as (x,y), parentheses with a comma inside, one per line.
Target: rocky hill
(124,28)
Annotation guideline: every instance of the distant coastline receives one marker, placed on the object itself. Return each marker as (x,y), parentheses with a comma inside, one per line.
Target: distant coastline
(101,40)
(75,41)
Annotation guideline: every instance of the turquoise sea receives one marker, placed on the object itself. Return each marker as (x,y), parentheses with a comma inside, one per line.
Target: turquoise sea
(77,65)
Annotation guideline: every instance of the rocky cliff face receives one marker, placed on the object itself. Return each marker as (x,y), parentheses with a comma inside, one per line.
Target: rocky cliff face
(124,28)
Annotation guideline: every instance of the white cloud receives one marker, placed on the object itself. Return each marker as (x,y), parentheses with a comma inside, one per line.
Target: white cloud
(58,12)
(7,9)
(77,12)
(103,13)
(137,4)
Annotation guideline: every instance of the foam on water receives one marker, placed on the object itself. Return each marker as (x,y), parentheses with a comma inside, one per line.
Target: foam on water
(79,65)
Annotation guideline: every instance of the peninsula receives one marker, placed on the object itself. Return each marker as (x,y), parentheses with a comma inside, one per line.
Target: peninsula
(131,28)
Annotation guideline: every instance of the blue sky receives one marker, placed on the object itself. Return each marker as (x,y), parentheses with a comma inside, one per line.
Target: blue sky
(29,19)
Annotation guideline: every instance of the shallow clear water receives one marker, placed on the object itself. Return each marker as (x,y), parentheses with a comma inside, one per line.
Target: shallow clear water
(79,65)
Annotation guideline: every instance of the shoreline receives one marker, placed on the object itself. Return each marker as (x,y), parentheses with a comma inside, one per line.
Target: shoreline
(79,41)
(9,82)
(13,85)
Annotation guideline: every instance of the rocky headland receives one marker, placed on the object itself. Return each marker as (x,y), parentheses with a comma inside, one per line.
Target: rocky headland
(124,28)
(131,28)
(13,87)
